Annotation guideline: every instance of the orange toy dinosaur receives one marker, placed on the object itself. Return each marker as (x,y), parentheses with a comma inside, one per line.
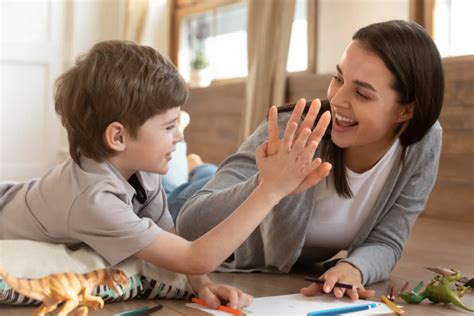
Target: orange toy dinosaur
(72,289)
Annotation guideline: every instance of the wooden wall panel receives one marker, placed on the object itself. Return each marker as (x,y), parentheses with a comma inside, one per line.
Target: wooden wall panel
(453,194)
(307,86)
(216,116)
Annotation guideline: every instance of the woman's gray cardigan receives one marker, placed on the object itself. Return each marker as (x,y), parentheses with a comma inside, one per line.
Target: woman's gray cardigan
(277,243)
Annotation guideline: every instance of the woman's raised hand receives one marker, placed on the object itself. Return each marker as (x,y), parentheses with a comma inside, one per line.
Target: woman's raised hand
(287,164)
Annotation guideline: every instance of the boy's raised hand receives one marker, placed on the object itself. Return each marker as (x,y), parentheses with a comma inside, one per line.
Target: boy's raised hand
(287,165)
(274,142)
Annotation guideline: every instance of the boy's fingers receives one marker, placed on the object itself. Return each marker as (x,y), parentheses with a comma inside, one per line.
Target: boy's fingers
(209,297)
(233,297)
(273,123)
(244,299)
(307,156)
(289,135)
(298,147)
(297,111)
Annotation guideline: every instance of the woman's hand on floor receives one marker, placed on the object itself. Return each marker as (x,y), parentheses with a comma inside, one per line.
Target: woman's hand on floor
(342,272)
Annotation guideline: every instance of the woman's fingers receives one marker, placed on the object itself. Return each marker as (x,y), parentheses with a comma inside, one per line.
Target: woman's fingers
(320,129)
(312,289)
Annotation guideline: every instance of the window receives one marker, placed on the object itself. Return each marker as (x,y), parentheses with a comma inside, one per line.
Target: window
(453,24)
(216,42)
(212,41)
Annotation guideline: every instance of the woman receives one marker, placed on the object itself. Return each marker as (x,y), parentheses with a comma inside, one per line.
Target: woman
(385,99)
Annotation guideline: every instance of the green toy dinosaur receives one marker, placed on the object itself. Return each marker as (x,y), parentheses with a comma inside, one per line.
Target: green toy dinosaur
(439,291)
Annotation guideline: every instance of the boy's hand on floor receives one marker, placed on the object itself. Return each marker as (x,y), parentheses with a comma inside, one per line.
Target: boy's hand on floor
(214,293)
(342,272)
(287,164)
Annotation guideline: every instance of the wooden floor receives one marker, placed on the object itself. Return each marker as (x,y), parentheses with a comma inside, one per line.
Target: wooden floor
(433,243)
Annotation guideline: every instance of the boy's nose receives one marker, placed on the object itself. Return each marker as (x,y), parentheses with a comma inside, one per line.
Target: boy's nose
(178,136)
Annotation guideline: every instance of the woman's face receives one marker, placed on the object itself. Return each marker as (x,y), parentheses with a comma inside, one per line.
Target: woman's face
(365,111)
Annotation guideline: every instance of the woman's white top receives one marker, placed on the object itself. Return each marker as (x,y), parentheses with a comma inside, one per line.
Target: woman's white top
(335,220)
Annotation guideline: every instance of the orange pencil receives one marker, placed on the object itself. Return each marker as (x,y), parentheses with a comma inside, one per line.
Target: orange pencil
(222,308)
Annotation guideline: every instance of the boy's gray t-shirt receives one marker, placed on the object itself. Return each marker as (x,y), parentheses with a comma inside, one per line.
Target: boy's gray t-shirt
(91,203)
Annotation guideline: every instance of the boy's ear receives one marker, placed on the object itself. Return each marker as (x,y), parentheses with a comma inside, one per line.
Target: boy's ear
(115,136)
(406,112)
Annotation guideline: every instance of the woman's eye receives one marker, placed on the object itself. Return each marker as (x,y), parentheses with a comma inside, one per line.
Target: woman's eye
(362,95)
(170,128)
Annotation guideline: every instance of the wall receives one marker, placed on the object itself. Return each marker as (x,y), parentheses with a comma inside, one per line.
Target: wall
(40,39)
(338,20)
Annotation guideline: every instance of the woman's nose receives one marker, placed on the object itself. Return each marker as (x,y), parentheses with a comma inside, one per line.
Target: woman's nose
(340,98)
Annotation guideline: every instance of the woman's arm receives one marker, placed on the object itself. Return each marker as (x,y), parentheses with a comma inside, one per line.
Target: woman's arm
(382,249)
(375,258)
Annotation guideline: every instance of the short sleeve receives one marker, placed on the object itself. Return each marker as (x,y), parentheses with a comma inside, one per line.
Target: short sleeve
(104,221)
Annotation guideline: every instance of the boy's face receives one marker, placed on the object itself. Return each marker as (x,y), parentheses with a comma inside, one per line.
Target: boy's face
(151,150)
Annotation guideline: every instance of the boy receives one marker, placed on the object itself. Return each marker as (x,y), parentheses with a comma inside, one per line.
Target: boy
(119,105)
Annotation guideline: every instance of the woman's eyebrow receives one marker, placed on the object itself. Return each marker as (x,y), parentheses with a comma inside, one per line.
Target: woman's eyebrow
(358,82)
(364,85)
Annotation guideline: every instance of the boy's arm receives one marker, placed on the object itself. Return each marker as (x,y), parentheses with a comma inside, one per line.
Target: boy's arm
(280,174)
(204,254)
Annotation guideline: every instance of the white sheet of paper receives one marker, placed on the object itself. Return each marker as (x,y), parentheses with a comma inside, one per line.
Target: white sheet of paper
(297,304)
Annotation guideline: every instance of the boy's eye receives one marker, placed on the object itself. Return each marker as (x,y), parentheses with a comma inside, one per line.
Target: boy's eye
(338,79)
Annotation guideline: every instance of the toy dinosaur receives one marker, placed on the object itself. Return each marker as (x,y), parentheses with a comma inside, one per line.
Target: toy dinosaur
(71,289)
(439,291)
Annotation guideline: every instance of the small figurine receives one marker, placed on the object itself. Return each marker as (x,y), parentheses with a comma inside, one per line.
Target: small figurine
(439,291)
(72,289)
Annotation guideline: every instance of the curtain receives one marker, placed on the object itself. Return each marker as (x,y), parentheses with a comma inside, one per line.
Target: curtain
(269,30)
(135,19)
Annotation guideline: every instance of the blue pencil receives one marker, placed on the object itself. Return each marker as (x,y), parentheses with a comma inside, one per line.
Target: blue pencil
(342,310)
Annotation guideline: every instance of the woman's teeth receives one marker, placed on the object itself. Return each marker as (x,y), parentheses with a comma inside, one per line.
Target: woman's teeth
(344,121)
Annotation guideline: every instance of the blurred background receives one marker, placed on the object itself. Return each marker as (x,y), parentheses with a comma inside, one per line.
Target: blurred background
(238,56)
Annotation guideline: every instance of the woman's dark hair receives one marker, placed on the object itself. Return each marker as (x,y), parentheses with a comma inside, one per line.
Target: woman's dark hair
(412,57)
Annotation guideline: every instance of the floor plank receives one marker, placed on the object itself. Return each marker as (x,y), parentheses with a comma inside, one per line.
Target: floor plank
(434,242)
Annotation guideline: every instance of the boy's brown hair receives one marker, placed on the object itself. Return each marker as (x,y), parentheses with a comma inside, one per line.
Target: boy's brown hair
(116,81)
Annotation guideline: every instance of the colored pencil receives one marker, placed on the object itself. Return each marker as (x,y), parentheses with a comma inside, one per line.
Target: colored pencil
(391,305)
(221,308)
(342,310)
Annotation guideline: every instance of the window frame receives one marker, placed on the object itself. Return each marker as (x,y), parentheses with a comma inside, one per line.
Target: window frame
(183,8)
